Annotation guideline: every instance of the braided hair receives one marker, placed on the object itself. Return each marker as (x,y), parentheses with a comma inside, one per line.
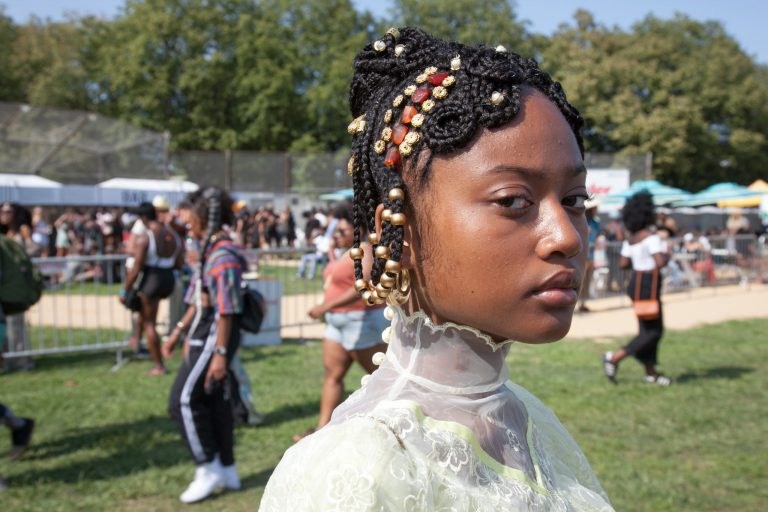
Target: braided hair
(415,96)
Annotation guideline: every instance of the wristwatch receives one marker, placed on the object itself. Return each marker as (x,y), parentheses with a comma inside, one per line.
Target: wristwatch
(222,351)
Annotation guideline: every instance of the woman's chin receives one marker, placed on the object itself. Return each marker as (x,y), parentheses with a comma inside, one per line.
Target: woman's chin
(546,330)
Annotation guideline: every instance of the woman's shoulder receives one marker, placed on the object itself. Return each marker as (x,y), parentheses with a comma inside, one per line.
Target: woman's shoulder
(340,467)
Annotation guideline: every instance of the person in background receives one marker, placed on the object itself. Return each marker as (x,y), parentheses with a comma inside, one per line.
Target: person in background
(200,401)
(352,332)
(158,254)
(646,254)
(593,223)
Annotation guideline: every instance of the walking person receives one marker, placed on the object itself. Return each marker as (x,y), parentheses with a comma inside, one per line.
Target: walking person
(467,168)
(200,401)
(158,255)
(646,254)
(353,330)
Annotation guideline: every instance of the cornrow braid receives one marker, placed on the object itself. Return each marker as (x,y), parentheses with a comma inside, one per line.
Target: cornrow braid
(411,92)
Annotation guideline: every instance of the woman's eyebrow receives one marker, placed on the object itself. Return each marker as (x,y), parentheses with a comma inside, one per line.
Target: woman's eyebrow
(532,173)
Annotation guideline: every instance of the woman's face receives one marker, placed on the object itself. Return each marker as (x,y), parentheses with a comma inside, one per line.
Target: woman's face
(6,214)
(501,243)
(196,225)
(343,235)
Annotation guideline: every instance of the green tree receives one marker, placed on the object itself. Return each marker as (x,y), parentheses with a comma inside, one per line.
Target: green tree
(679,88)
(48,61)
(491,22)
(10,89)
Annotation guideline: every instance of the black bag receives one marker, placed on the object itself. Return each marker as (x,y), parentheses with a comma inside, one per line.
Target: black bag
(254,309)
(132,300)
(21,283)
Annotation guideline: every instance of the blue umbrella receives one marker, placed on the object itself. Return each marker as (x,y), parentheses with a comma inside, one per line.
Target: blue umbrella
(662,194)
(717,192)
(340,195)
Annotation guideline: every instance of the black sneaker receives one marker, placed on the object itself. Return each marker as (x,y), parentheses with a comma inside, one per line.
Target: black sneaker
(610,369)
(21,437)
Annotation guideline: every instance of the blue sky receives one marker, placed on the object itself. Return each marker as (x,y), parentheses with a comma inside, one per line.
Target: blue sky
(743,19)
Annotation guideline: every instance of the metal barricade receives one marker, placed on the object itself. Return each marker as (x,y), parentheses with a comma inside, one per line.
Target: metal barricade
(79,310)
(695,262)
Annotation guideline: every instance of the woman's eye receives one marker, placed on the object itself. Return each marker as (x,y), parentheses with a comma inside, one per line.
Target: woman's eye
(515,202)
(576,201)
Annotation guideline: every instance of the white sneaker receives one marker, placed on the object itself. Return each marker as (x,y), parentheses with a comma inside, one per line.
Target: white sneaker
(207,480)
(230,478)
(228,475)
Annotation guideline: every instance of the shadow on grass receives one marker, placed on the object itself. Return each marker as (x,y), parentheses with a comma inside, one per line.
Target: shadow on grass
(105,359)
(291,412)
(718,372)
(123,449)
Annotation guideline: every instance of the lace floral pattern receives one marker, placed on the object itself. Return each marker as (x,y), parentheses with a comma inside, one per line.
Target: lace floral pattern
(437,428)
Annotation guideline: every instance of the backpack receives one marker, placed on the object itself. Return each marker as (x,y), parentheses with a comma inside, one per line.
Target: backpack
(21,284)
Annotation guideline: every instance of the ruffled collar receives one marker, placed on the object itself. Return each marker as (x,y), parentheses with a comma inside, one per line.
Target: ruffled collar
(448,357)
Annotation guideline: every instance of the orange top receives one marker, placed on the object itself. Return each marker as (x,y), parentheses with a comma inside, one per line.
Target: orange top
(339,276)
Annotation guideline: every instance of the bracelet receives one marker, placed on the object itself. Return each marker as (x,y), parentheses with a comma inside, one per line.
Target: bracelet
(180,325)
(122,292)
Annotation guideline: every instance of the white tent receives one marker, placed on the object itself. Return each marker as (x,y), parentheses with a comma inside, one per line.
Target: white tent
(131,191)
(29,189)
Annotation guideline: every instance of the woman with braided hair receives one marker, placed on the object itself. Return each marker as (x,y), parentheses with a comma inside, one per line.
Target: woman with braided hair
(201,396)
(468,173)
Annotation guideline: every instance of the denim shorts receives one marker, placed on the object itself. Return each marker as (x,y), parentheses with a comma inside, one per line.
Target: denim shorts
(356,330)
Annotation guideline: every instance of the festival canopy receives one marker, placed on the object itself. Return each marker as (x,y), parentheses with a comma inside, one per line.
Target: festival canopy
(752,201)
(662,194)
(345,194)
(713,194)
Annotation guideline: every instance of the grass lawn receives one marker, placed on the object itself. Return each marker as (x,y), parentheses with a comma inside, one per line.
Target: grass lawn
(103,440)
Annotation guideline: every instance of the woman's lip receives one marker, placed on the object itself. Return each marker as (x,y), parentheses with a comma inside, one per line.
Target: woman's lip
(560,297)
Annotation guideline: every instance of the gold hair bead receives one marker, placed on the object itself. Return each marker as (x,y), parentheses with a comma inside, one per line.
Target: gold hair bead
(420,79)
(382,251)
(393,32)
(417,120)
(373,238)
(405,148)
(357,125)
(409,90)
(379,146)
(392,266)
(399,49)
(439,92)
(366,295)
(428,105)
(455,63)
(361,285)
(382,292)
(497,98)
(398,219)
(387,281)
(351,165)
(396,194)
(501,49)
(431,70)
(356,253)
(386,134)
(411,138)
(397,101)
(449,81)
(388,116)
(386,215)
(379,46)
